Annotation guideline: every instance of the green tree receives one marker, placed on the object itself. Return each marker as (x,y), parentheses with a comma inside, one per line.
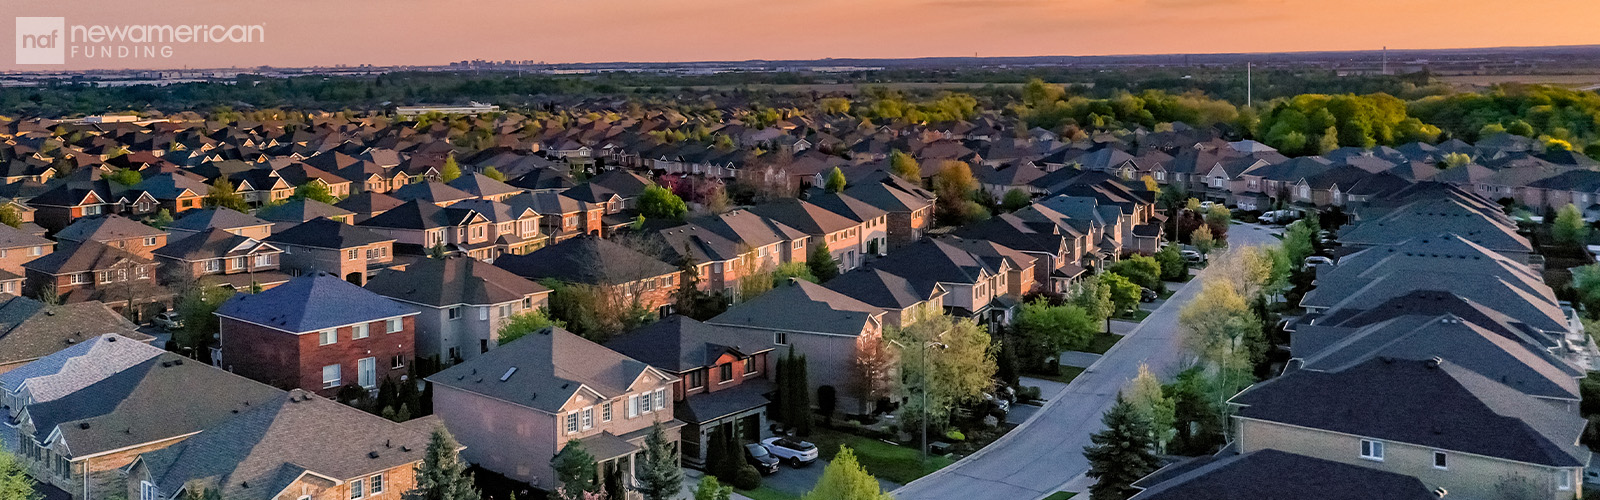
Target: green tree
(1219,326)
(161,220)
(1047,330)
(1173,267)
(821,262)
(125,177)
(836,180)
(845,479)
(710,489)
(1124,293)
(1203,240)
(1299,241)
(1453,160)
(524,323)
(1142,270)
(575,470)
(660,477)
(660,203)
(1586,281)
(315,190)
(954,186)
(1094,297)
(14,482)
(10,217)
(1569,228)
(1145,394)
(1120,454)
(957,373)
(904,166)
(442,475)
(792,269)
(450,171)
(222,194)
(1016,199)
(494,173)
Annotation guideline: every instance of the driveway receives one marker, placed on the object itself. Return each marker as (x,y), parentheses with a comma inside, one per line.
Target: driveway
(799,481)
(1045,453)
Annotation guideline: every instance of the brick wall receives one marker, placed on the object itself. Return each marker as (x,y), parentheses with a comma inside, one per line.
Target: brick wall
(289,361)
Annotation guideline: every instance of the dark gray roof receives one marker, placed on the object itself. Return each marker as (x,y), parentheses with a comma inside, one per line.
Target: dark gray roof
(453,281)
(927,262)
(312,302)
(882,289)
(543,370)
(30,330)
(162,398)
(1426,403)
(708,407)
(210,244)
(301,210)
(420,215)
(87,256)
(433,192)
(258,453)
(586,259)
(847,206)
(77,366)
(327,233)
(106,228)
(481,185)
(1277,475)
(801,306)
(678,344)
(368,202)
(11,237)
(207,218)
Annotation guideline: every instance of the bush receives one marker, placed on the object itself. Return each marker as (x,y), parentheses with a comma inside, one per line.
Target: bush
(1030,393)
(748,478)
(955,435)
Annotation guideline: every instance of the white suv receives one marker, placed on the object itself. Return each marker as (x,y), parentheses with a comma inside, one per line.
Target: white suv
(794,452)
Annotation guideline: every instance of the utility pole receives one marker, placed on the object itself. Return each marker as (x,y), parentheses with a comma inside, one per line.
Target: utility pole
(1385,59)
(1249,88)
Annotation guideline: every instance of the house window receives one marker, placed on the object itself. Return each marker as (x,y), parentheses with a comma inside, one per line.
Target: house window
(780,338)
(588,418)
(644,403)
(1372,450)
(633,405)
(330,376)
(505,312)
(35,251)
(150,242)
(1563,480)
(394,325)
(328,336)
(397,362)
(661,399)
(454,312)
(148,491)
(356,489)
(697,379)
(750,365)
(367,372)
(483,313)
(572,422)
(358,332)
(375,484)
(1440,460)
(353,254)
(80,278)
(726,373)
(605,412)
(263,260)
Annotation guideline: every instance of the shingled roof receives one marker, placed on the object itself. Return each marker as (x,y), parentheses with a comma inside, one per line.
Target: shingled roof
(327,233)
(310,303)
(453,281)
(1273,474)
(802,306)
(545,369)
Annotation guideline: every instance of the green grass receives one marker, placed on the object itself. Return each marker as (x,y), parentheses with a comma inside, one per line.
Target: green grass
(1102,342)
(1060,495)
(1067,374)
(900,464)
(767,493)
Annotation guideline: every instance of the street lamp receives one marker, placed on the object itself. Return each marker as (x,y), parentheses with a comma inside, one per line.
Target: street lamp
(925,346)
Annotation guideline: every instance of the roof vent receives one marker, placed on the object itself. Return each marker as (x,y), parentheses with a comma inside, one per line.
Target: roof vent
(386,444)
(177,362)
(1440,492)
(83,425)
(109,338)
(509,371)
(373,454)
(405,448)
(1433,363)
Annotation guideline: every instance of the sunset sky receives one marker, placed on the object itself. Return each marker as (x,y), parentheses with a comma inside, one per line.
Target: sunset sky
(385,32)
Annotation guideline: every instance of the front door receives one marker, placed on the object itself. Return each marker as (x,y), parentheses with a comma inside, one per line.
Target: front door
(367,372)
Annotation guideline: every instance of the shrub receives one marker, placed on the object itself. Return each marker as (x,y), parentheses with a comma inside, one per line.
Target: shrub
(748,478)
(955,435)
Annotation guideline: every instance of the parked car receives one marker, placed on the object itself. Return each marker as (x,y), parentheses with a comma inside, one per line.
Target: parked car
(1192,257)
(1280,216)
(758,456)
(1318,260)
(792,451)
(1148,295)
(1205,206)
(168,320)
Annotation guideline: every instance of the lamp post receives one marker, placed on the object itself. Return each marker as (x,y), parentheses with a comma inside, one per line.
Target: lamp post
(924,363)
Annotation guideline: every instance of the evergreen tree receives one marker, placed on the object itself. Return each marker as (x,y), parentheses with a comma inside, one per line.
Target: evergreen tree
(660,477)
(688,295)
(821,262)
(1121,454)
(222,194)
(801,400)
(442,475)
(14,483)
(780,398)
(10,217)
(576,470)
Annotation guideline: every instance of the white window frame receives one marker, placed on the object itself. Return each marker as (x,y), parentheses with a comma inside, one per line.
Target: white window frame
(588,418)
(328,337)
(1564,480)
(1372,449)
(661,399)
(483,313)
(1440,456)
(645,401)
(336,380)
(213,265)
(605,412)
(35,250)
(359,331)
(394,325)
(375,484)
(633,406)
(572,423)
(148,491)
(263,260)
(780,338)
(358,489)
(453,313)
(150,241)
(360,372)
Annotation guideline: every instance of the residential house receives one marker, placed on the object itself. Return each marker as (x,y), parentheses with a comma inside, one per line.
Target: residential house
(367,204)
(563,217)
(316,332)
(722,378)
(874,221)
(516,407)
(177,192)
(484,188)
(909,207)
(464,303)
(96,271)
(227,219)
(512,230)
(975,286)
(437,193)
(296,211)
(84,361)
(826,326)
(116,231)
(1269,473)
(902,301)
(30,330)
(845,238)
(218,257)
(633,277)
(419,227)
(326,245)
(17,247)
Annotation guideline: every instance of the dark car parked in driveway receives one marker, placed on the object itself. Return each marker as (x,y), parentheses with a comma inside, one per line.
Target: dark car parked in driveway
(1148,295)
(759,458)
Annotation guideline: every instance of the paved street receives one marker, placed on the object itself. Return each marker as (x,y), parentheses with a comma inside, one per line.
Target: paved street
(1045,453)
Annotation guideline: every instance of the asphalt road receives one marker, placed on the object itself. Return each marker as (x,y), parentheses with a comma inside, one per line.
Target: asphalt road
(1046,452)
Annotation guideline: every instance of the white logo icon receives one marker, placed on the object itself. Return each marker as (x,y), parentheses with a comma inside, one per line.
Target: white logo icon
(41,40)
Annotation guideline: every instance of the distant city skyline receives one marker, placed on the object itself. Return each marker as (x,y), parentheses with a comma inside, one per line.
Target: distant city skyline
(432,32)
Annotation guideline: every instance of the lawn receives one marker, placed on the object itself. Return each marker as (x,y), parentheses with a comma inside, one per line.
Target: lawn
(1067,374)
(1060,495)
(900,464)
(1102,342)
(766,493)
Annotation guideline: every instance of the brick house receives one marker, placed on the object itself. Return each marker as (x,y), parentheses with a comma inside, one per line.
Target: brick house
(843,236)
(726,247)
(325,245)
(96,271)
(722,377)
(826,326)
(484,188)
(909,207)
(319,333)
(117,231)
(221,258)
(564,218)
(367,204)
(296,211)
(513,230)
(516,407)
(227,219)
(464,302)
(82,442)
(355,455)
(632,276)
(17,247)
(177,192)
(419,225)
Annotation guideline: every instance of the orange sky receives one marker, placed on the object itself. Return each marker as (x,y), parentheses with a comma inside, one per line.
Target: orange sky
(383,32)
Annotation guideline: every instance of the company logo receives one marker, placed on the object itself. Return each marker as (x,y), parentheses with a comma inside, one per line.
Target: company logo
(41,40)
(49,40)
